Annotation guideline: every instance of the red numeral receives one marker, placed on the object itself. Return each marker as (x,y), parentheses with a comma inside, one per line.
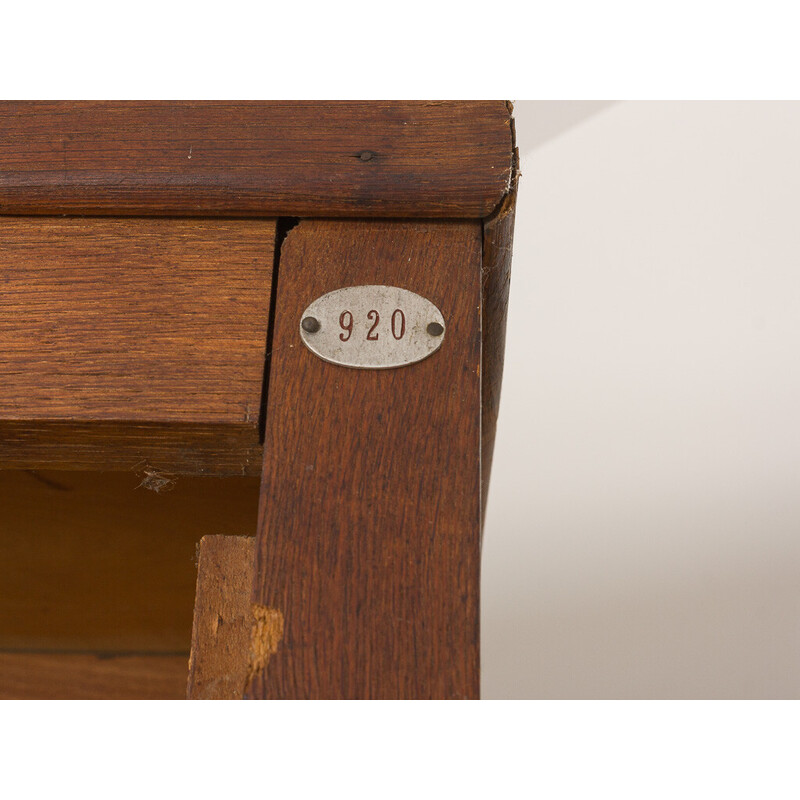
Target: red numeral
(402,316)
(373,315)
(398,325)
(347,326)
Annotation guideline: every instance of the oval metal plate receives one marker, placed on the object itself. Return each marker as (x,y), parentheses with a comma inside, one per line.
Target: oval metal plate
(372,327)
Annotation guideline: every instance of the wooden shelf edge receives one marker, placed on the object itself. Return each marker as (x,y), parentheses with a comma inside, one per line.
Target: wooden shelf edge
(304,159)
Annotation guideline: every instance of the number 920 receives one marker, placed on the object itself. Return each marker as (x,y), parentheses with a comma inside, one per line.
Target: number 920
(397,325)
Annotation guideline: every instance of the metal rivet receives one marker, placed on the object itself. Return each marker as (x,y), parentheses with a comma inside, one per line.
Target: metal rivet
(366,155)
(435,329)
(310,324)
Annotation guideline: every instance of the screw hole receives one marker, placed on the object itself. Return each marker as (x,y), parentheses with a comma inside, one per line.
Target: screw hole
(435,329)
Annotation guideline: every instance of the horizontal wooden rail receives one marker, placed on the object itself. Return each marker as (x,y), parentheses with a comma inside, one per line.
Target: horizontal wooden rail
(86,676)
(130,343)
(346,159)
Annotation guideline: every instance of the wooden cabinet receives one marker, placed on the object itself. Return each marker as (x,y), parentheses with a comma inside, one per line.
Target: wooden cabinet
(156,260)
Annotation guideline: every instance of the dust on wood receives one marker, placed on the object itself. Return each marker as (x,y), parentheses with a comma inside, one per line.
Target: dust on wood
(157,481)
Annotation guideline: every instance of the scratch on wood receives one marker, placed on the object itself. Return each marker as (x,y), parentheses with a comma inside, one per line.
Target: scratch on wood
(267,633)
(157,481)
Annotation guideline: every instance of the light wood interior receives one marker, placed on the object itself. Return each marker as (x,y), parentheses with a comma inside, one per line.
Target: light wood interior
(98,563)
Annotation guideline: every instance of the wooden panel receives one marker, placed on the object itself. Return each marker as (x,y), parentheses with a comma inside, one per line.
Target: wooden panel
(223,618)
(152,330)
(60,676)
(368,536)
(96,561)
(405,159)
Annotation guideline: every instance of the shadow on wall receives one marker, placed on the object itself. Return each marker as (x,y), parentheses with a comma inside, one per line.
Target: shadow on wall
(641,529)
(538,123)
(682,639)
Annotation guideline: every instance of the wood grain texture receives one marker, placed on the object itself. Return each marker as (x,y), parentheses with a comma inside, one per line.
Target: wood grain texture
(223,618)
(498,241)
(305,159)
(84,676)
(133,342)
(368,543)
(125,445)
(98,562)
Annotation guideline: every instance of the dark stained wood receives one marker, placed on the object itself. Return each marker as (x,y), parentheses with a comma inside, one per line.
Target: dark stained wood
(85,676)
(98,562)
(125,445)
(356,159)
(133,343)
(368,541)
(223,618)
(498,240)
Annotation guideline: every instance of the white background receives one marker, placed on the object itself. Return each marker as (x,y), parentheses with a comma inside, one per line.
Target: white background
(643,527)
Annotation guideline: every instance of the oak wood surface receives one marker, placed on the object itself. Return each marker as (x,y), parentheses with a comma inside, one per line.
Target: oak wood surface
(356,159)
(100,562)
(498,240)
(85,676)
(368,542)
(133,342)
(223,619)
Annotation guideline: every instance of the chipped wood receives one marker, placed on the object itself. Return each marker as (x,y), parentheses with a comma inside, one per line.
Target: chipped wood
(266,635)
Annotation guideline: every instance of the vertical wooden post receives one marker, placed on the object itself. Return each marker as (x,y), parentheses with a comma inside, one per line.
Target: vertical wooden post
(368,542)
(221,633)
